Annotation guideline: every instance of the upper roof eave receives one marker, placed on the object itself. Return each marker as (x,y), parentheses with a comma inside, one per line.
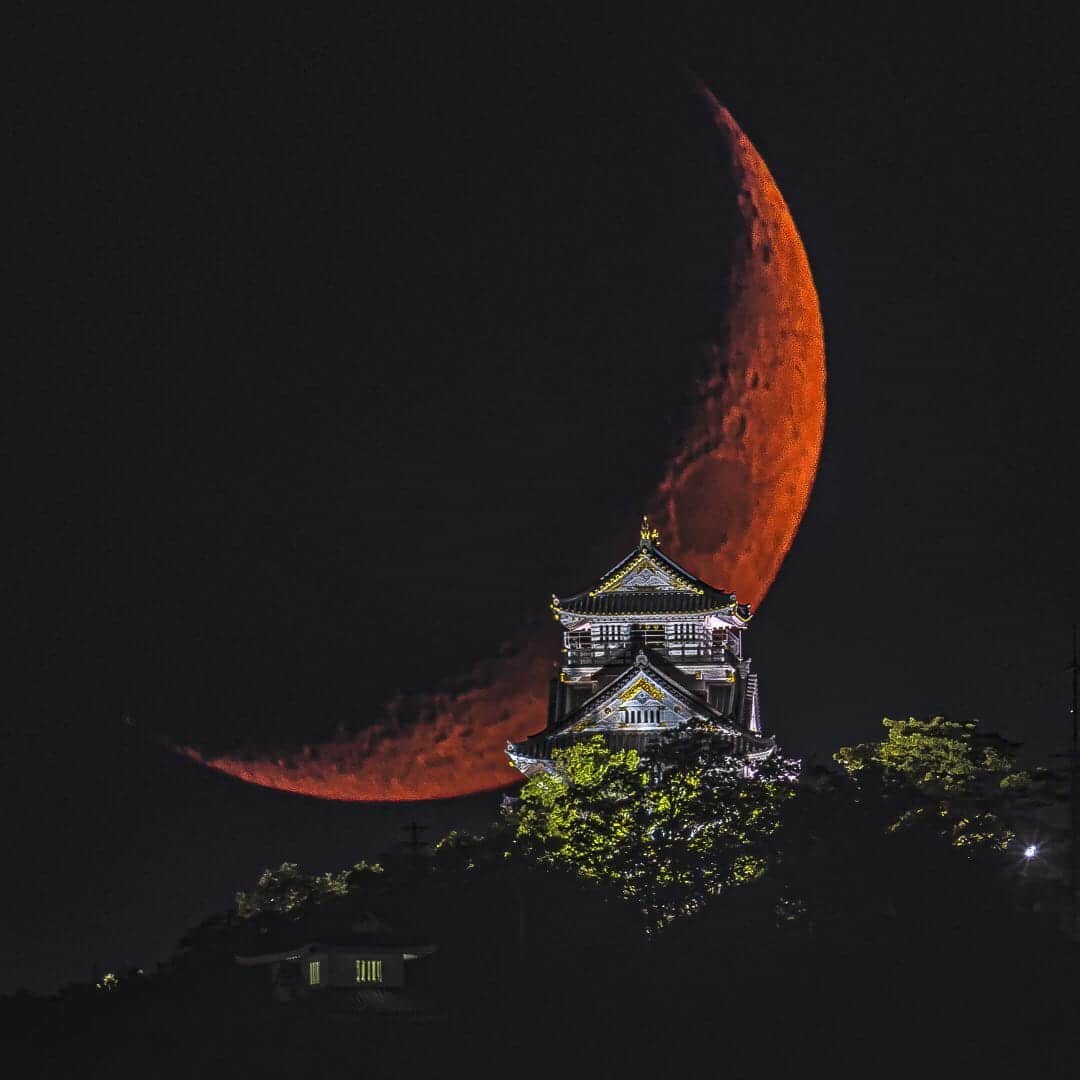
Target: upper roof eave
(661,603)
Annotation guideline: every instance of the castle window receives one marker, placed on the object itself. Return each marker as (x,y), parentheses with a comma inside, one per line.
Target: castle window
(369,971)
(314,972)
(684,639)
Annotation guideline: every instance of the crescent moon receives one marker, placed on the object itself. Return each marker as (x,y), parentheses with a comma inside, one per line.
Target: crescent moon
(734,493)
(732,497)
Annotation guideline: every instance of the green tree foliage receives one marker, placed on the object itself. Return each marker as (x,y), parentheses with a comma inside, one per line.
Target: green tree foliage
(670,832)
(857,930)
(464,851)
(947,772)
(289,891)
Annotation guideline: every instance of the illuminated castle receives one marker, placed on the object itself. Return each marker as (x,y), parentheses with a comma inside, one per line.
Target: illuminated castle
(646,649)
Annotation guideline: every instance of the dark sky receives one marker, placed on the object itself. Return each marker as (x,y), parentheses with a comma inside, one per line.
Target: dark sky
(340,346)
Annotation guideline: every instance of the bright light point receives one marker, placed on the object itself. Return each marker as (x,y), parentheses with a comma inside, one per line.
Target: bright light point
(1031,851)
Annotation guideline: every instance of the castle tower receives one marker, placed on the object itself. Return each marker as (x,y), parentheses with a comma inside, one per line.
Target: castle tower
(645,650)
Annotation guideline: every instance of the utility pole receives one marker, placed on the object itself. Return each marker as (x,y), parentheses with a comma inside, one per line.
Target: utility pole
(414,844)
(1074,791)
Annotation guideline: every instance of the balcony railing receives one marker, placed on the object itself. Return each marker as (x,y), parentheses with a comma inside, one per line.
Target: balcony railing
(600,654)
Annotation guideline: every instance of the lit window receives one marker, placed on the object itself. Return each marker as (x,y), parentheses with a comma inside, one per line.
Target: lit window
(314,972)
(369,971)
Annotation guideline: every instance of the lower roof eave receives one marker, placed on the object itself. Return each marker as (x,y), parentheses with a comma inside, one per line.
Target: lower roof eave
(766,747)
(525,763)
(309,948)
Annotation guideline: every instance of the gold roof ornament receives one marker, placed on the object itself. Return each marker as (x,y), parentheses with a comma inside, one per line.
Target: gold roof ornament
(639,685)
(649,533)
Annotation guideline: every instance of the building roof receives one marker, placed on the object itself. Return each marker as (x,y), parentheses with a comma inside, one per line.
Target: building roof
(647,582)
(323,929)
(651,602)
(304,949)
(675,682)
(669,677)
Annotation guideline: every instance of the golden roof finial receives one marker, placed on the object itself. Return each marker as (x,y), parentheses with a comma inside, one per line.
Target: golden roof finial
(649,533)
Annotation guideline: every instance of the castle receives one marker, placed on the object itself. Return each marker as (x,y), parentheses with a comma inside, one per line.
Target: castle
(649,647)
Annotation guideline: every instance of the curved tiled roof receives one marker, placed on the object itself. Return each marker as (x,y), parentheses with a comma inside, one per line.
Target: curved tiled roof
(681,593)
(647,602)
(539,746)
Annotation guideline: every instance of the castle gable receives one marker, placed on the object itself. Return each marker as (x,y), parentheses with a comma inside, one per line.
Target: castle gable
(642,697)
(643,571)
(647,582)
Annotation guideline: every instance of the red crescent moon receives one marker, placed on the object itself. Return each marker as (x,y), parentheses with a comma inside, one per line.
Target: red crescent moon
(732,497)
(734,493)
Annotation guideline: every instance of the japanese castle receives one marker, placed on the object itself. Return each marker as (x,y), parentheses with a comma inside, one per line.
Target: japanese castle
(644,651)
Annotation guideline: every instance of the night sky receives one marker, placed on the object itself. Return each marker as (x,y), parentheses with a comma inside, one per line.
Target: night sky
(340,346)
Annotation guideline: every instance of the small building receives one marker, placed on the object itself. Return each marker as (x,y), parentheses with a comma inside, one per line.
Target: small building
(367,966)
(646,649)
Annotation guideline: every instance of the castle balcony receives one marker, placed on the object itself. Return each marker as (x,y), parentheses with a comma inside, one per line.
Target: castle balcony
(600,654)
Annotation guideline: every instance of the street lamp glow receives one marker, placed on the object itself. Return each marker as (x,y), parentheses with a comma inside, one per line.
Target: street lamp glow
(1031,851)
